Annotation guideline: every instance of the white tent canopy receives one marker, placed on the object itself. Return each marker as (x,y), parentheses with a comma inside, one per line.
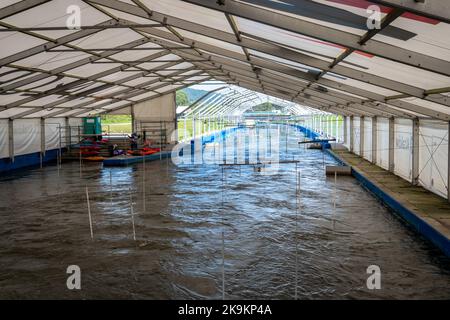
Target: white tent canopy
(318,54)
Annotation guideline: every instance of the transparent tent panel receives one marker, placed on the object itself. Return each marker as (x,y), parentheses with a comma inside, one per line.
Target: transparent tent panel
(424,39)
(290,39)
(117,76)
(399,72)
(68,113)
(321,87)
(6,3)
(331,14)
(108,38)
(139,81)
(116,105)
(44,101)
(52,60)
(153,65)
(44,113)
(75,102)
(128,55)
(211,41)
(197,78)
(359,84)
(126,16)
(110,91)
(168,88)
(8,74)
(86,88)
(165,73)
(47,84)
(408,31)
(292,64)
(427,104)
(17,42)
(414,114)
(11,98)
(183,65)
(89,113)
(8,113)
(144,96)
(196,14)
(91,69)
(54,14)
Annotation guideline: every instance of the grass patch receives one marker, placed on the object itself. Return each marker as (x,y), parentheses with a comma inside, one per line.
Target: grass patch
(117,127)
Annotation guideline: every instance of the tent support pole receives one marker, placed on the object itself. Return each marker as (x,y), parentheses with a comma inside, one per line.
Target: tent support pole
(11,139)
(351,134)
(374,139)
(391,144)
(42,153)
(415,152)
(361,136)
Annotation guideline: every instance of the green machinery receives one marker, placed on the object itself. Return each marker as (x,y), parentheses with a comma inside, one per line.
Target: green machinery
(92,126)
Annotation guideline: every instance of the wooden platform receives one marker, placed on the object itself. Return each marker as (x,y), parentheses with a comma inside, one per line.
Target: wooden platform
(426,211)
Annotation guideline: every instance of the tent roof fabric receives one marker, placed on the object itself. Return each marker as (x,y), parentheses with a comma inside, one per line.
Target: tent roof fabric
(318,54)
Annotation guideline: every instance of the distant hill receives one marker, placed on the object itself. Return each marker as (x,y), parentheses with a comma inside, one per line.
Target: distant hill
(194,94)
(265,107)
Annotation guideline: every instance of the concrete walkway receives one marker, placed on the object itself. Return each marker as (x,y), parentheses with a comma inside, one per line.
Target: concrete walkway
(425,205)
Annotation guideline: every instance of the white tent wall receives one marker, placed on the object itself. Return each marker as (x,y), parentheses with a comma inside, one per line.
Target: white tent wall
(71,135)
(162,109)
(433,148)
(75,121)
(356,134)
(4,142)
(433,156)
(340,129)
(383,143)
(325,125)
(54,133)
(319,124)
(347,128)
(368,138)
(403,148)
(27,136)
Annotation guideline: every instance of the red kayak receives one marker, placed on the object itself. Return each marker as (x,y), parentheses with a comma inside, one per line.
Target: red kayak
(143,151)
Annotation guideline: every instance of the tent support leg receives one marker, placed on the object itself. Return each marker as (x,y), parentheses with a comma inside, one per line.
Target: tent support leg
(415,153)
(374,140)
(391,144)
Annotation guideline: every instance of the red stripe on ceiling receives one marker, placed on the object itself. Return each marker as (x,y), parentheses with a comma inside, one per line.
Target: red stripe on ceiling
(412,16)
(363,4)
(365,54)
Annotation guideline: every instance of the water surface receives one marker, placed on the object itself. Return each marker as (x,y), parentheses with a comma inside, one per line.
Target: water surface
(272,244)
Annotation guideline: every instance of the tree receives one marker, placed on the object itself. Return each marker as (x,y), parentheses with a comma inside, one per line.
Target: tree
(182,98)
(266,106)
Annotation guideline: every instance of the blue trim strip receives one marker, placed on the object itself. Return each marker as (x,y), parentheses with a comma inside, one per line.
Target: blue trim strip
(28,160)
(421,226)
